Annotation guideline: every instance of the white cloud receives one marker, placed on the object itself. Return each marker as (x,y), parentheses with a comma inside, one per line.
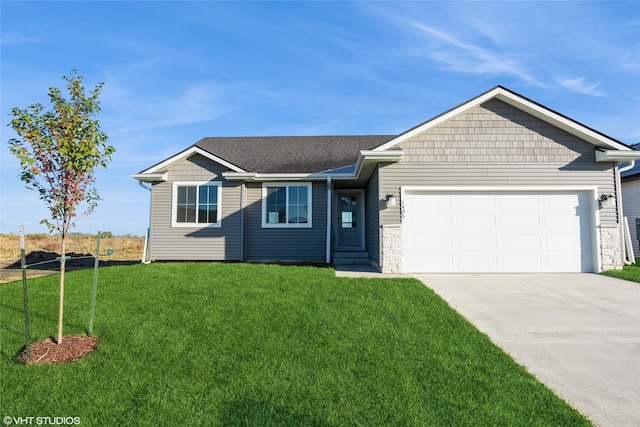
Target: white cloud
(462,56)
(18,39)
(135,110)
(522,41)
(580,85)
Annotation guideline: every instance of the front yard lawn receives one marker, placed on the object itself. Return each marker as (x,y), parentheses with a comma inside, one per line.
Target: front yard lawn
(628,272)
(262,345)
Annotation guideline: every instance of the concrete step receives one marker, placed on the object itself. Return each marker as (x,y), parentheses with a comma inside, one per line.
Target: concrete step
(351,258)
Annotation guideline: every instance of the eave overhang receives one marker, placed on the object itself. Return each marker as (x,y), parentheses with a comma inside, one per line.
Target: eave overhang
(150,177)
(366,159)
(619,156)
(265,177)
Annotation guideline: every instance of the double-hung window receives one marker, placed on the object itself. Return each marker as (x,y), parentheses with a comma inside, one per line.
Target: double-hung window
(286,205)
(196,204)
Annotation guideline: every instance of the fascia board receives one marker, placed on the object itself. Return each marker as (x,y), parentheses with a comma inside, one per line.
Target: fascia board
(388,155)
(341,176)
(239,176)
(366,156)
(267,177)
(189,152)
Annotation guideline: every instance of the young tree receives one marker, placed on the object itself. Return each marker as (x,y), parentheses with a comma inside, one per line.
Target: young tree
(59,151)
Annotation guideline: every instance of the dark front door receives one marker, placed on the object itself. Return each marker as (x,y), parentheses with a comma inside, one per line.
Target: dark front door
(349,221)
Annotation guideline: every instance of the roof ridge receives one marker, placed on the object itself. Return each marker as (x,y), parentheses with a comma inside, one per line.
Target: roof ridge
(299,136)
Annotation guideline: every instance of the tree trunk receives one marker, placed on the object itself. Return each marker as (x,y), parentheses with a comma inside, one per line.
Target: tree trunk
(63,263)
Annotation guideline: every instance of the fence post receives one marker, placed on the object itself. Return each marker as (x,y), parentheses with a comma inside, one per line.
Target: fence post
(23,264)
(95,283)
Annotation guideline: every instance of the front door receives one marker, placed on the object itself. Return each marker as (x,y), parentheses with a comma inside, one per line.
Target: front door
(349,221)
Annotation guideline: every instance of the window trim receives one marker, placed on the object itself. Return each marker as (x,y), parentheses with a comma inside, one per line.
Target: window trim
(266,185)
(197,184)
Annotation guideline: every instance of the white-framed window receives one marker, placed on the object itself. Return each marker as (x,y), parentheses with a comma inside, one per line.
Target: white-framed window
(196,204)
(286,205)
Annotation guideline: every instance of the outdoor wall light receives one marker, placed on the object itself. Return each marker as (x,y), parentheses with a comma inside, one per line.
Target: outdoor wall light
(607,200)
(391,200)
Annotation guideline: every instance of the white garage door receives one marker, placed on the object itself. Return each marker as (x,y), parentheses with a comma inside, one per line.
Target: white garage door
(494,231)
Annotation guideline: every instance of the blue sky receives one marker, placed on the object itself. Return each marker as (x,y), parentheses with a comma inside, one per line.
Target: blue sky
(175,72)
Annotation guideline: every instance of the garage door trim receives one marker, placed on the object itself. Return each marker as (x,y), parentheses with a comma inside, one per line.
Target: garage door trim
(592,192)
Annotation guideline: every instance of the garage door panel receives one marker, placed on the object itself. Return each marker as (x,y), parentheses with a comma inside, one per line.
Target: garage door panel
(558,263)
(511,220)
(430,252)
(473,201)
(439,221)
(477,263)
(475,222)
(565,243)
(561,222)
(441,262)
(473,242)
(522,262)
(498,232)
(527,243)
(518,201)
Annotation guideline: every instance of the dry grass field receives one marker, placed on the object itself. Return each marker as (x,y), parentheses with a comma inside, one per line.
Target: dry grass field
(127,248)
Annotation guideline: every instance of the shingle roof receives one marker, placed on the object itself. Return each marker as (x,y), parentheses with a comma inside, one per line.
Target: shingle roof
(634,170)
(631,172)
(291,154)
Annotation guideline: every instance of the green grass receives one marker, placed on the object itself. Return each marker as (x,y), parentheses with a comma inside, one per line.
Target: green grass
(262,345)
(628,272)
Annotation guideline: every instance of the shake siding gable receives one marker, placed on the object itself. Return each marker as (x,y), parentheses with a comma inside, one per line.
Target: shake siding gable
(196,243)
(285,244)
(496,132)
(495,144)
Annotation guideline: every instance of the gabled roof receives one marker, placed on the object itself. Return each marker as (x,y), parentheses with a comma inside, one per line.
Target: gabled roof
(279,154)
(503,94)
(291,154)
(286,156)
(159,169)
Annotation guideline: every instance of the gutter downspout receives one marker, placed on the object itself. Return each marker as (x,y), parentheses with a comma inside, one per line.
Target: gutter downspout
(329,209)
(243,208)
(623,229)
(148,233)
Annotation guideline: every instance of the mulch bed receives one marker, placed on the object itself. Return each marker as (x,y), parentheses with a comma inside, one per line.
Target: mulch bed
(72,348)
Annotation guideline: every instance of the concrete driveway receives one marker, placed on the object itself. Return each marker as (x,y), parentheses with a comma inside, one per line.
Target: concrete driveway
(577,333)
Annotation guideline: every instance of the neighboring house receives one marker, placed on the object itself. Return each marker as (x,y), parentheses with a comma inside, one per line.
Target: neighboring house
(497,184)
(631,202)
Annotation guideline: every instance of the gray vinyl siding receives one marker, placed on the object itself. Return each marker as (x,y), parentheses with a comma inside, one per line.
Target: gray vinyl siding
(495,144)
(631,209)
(286,244)
(195,243)
(373,206)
